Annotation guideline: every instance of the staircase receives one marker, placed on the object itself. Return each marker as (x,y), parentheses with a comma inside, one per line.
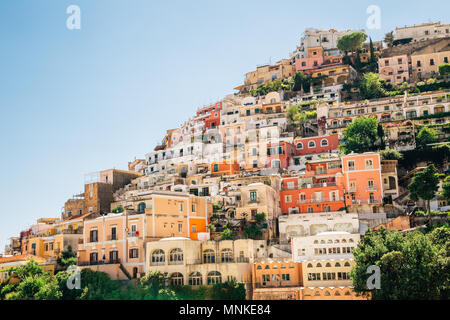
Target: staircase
(125,271)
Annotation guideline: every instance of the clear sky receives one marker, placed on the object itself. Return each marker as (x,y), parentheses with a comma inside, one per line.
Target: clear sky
(79,101)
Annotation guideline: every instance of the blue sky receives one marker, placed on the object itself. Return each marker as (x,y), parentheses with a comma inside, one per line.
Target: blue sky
(79,101)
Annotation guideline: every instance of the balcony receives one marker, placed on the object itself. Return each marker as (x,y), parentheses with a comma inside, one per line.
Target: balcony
(133,234)
(320,200)
(98,262)
(372,188)
(111,237)
(275,284)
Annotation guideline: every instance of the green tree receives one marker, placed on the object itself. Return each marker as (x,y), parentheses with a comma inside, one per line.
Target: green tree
(426,136)
(444,69)
(446,189)
(227,234)
(361,136)
(413,265)
(371,86)
(67,258)
(252,231)
(351,42)
(389,38)
(230,290)
(118,209)
(390,154)
(424,185)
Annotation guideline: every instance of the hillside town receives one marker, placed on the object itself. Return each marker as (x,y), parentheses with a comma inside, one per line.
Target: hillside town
(275,185)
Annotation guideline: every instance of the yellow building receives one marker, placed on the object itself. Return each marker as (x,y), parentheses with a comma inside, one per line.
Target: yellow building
(19,260)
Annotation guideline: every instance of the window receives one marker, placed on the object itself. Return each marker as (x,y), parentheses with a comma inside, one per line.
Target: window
(194,229)
(310,209)
(285,277)
(80,212)
(431,62)
(324,142)
(193,208)
(158,257)
(93,236)
(288,198)
(253,197)
(209,256)
(311,144)
(195,279)
(134,253)
(177,279)
(113,233)
(93,257)
(180,228)
(141,207)
(351,165)
(299,145)
(275,277)
(227,255)
(369,164)
(176,256)
(214,277)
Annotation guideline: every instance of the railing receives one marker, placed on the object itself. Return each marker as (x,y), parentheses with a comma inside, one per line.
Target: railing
(111,237)
(320,200)
(275,284)
(98,262)
(133,234)
(372,188)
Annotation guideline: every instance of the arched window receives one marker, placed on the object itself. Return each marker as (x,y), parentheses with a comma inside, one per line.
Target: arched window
(275,266)
(344,241)
(214,277)
(176,279)
(209,256)
(309,265)
(322,241)
(141,207)
(327,293)
(336,241)
(328,265)
(227,255)
(299,145)
(311,144)
(318,265)
(259,267)
(158,257)
(324,142)
(317,293)
(267,267)
(337,293)
(195,279)
(330,241)
(176,256)
(316,241)
(350,240)
(347,293)
(337,264)
(347,264)
(283,266)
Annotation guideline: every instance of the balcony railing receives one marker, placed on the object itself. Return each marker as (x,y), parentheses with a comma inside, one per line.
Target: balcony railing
(320,200)
(99,262)
(372,188)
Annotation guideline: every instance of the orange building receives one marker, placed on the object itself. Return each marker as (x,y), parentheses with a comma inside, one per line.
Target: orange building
(224,168)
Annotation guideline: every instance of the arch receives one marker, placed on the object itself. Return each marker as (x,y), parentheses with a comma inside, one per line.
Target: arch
(195,279)
(328,265)
(259,268)
(346,264)
(317,293)
(309,265)
(337,293)
(176,279)
(337,264)
(319,265)
(209,256)
(311,144)
(327,293)
(299,146)
(226,255)
(214,277)
(141,207)
(347,293)
(158,257)
(324,143)
(176,256)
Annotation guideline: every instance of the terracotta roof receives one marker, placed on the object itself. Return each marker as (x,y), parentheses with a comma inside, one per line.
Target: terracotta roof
(78,217)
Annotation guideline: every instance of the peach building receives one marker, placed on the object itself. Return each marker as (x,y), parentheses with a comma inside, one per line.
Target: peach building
(170,214)
(114,244)
(394,69)
(276,279)
(19,260)
(425,61)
